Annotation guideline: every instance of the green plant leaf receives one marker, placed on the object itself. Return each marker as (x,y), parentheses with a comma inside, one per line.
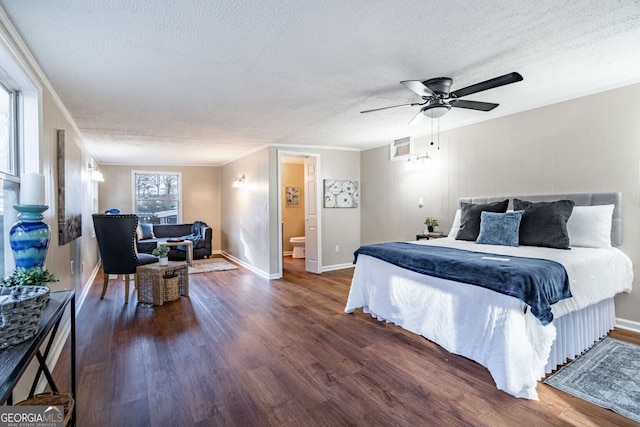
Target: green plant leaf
(32,276)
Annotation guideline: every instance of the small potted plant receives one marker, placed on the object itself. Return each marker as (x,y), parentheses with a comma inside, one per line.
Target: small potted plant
(32,276)
(431,222)
(162,252)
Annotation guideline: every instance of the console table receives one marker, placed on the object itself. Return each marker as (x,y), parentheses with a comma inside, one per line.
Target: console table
(14,360)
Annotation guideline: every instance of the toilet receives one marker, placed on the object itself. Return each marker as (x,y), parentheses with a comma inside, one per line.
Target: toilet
(298,246)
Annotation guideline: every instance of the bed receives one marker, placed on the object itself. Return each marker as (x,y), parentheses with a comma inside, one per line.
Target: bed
(496,330)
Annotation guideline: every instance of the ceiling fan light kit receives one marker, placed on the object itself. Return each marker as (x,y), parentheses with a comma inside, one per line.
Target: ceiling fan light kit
(435,111)
(438,99)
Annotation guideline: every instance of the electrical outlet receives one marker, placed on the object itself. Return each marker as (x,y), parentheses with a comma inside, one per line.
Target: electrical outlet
(337,248)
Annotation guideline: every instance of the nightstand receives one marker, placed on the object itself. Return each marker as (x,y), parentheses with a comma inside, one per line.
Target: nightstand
(433,235)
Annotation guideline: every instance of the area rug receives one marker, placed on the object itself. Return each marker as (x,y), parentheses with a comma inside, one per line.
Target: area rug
(211,264)
(607,375)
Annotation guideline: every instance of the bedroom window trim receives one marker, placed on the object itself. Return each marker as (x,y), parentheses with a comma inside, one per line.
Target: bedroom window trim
(9,170)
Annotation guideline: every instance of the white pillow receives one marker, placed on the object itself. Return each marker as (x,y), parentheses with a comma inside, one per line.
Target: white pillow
(590,226)
(455,226)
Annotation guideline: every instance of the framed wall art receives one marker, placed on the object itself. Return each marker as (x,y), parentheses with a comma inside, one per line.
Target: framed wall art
(69,189)
(292,197)
(340,193)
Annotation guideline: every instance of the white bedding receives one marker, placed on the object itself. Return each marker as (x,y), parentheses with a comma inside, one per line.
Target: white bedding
(481,324)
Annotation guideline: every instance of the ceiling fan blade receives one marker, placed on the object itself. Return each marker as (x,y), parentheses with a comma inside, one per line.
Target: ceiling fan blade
(472,105)
(392,106)
(488,84)
(417,118)
(418,87)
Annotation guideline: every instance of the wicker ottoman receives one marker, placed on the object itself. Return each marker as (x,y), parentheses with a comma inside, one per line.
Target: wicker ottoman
(151,281)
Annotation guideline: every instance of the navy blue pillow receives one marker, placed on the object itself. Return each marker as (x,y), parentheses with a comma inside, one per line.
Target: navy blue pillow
(499,228)
(147,231)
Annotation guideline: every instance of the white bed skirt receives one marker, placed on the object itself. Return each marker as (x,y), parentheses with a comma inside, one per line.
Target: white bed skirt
(482,325)
(576,332)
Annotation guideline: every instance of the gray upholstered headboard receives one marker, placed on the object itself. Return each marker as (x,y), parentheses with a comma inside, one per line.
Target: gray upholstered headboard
(581,199)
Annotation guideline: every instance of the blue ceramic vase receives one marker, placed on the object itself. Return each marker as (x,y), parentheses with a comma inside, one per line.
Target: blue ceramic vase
(29,237)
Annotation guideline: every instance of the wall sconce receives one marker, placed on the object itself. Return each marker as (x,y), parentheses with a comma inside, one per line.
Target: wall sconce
(420,160)
(95,174)
(238,182)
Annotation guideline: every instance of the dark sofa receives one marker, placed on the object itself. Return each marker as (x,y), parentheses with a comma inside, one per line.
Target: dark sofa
(164,231)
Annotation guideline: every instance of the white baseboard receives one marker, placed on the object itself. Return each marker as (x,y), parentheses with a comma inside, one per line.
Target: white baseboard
(287,253)
(337,267)
(87,286)
(249,266)
(628,324)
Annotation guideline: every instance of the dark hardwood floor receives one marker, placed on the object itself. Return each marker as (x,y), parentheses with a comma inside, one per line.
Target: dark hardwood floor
(246,351)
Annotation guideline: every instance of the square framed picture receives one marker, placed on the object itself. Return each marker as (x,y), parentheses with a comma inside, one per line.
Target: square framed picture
(340,193)
(292,197)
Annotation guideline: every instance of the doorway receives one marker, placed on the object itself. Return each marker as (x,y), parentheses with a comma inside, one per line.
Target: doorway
(298,212)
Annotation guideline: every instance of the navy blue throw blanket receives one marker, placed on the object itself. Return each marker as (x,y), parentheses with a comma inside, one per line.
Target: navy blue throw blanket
(196,234)
(536,282)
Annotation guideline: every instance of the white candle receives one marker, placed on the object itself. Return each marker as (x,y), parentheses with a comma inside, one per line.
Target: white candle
(32,189)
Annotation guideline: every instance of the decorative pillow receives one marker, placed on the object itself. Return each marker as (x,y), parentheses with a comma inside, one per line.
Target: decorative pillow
(499,228)
(544,223)
(147,231)
(455,226)
(590,226)
(470,218)
(139,232)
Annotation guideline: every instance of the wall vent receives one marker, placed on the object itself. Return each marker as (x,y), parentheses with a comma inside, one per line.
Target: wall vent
(401,149)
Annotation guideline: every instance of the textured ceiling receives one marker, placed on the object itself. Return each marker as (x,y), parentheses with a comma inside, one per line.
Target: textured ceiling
(203,82)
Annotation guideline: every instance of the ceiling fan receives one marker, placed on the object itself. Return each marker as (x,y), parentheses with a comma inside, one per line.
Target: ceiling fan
(438,100)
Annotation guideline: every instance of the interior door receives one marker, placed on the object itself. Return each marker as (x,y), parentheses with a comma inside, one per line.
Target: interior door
(311,263)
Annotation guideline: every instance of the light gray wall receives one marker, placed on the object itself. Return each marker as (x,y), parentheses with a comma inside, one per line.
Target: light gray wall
(340,227)
(590,144)
(250,216)
(82,251)
(245,210)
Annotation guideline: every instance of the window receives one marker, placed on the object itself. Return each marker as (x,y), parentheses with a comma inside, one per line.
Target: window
(8,127)
(8,179)
(157,197)
(401,149)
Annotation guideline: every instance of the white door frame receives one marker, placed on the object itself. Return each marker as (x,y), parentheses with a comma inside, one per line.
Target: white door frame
(281,154)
